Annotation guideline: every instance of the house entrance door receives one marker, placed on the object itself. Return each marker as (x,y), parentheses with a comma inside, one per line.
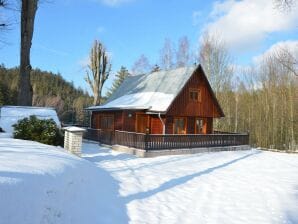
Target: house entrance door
(142,123)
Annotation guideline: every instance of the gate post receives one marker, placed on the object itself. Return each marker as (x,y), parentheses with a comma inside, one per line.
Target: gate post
(73,139)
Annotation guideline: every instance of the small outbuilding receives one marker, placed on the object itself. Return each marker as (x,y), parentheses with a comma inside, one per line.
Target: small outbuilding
(10,115)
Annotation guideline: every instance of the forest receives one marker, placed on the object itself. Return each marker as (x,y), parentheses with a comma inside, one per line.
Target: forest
(49,90)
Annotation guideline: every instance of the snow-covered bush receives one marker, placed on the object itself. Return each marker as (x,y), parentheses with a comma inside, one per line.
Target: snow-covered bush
(44,131)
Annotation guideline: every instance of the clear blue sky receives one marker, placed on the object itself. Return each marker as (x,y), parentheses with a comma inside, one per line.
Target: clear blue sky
(65,31)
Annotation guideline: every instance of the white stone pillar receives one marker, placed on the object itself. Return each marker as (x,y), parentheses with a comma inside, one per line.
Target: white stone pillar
(73,138)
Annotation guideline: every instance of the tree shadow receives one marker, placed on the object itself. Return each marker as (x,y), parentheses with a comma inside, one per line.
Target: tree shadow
(176,158)
(292,213)
(182,180)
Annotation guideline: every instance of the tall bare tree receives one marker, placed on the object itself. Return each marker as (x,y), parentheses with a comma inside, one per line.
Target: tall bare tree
(28,12)
(100,68)
(288,59)
(183,52)
(167,55)
(216,61)
(141,65)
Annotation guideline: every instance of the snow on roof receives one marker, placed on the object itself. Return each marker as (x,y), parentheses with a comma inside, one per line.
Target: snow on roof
(153,101)
(74,129)
(154,92)
(9,115)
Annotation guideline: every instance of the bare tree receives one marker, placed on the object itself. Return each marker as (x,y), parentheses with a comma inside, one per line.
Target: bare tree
(166,55)
(216,61)
(6,22)
(3,5)
(100,69)
(28,12)
(183,55)
(285,5)
(141,66)
(287,59)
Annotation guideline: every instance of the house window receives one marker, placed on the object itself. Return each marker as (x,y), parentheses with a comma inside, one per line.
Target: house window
(199,125)
(195,95)
(179,125)
(107,122)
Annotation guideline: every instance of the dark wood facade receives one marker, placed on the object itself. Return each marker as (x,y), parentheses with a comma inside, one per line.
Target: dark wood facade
(191,112)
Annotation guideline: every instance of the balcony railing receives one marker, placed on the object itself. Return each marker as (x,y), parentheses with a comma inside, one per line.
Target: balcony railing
(167,141)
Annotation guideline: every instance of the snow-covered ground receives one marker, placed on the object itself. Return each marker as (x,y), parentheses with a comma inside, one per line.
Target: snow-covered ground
(45,184)
(225,187)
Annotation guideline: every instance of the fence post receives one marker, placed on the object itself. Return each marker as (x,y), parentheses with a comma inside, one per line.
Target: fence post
(146,140)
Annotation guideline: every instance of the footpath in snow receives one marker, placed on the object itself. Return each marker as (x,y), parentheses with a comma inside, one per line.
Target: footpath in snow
(226,187)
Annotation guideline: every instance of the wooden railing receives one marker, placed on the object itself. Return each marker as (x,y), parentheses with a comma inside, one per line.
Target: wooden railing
(102,136)
(156,142)
(168,141)
(130,139)
(195,141)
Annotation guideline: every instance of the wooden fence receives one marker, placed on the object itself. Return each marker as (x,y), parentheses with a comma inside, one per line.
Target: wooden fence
(99,135)
(168,141)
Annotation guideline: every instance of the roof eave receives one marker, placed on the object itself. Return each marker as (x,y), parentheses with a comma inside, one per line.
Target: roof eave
(115,108)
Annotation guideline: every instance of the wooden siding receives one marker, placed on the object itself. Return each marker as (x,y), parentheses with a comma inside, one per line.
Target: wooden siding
(96,119)
(156,125)
(169,124)
(129,121)
(209,125)
(191,125)
(183,106)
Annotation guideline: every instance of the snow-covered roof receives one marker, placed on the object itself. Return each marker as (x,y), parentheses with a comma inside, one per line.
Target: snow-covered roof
(9,115)
(153,92)
(74,129)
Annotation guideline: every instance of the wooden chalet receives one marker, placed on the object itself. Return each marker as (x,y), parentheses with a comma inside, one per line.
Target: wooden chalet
(161,104)
(178,101)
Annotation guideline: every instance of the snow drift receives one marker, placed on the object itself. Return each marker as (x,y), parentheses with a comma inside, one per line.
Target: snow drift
(45,184)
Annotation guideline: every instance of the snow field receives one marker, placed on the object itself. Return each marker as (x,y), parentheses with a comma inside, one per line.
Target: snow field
(45,184)
(225,187)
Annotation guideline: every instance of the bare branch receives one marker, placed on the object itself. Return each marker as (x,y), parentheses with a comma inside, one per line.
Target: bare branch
(285,5)
(287,60)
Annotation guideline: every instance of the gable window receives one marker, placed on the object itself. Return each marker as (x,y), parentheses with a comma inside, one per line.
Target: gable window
(195,95)
(179,125)
(107,122)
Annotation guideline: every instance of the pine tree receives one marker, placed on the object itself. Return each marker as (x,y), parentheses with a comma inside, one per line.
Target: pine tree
(120,76)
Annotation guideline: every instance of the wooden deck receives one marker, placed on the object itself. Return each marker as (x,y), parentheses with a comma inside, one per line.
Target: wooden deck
(167,141)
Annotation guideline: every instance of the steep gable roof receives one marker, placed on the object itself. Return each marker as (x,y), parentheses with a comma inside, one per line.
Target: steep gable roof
(153,92)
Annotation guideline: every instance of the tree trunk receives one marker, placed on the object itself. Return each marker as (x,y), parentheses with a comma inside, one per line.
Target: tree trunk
(25,93)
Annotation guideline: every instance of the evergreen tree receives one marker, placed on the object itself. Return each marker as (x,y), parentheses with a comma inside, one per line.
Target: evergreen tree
(5,95)
(120,76)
